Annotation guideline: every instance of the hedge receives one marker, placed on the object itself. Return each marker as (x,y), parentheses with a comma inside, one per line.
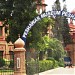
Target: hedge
(34,67)
(47,65)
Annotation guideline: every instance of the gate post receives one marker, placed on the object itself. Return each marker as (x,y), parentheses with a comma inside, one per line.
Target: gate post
(19,57)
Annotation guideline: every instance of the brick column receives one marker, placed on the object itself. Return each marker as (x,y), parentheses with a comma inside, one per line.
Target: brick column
(19,58)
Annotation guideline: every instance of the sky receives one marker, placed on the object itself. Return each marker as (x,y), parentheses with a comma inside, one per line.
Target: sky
(69,3)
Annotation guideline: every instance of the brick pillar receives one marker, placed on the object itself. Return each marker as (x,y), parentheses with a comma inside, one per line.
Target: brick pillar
(19,58)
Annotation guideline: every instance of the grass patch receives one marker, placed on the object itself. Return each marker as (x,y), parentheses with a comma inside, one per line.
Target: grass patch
(6,70)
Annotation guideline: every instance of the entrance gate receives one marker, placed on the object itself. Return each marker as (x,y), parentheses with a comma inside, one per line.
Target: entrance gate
(33,67)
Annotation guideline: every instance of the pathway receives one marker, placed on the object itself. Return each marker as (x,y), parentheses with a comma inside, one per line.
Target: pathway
(59,71)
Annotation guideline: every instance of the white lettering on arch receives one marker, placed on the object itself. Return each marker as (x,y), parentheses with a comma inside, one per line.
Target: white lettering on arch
(46,14)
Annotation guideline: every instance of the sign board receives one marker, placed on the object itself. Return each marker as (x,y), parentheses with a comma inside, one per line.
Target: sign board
(18,62)
(46,14)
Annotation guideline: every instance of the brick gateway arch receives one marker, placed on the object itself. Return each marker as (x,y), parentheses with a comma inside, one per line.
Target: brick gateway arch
(50,14)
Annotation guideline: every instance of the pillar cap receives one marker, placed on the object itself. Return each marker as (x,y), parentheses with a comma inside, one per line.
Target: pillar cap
(19,43)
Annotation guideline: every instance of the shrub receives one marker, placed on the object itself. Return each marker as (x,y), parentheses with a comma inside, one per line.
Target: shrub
(55,63)
(50,58)
(32,67)
(7,62)
(61,62)
(2,62)
(45,65)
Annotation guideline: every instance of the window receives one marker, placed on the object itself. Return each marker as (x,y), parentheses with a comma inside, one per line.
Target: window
(11,53)
(1,54)
(0,31)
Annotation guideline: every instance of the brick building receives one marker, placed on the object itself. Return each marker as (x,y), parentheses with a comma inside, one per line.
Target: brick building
(40,6)
(71,47)
(6,49)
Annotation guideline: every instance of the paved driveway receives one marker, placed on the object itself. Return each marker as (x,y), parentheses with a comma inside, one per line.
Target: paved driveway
(59,71)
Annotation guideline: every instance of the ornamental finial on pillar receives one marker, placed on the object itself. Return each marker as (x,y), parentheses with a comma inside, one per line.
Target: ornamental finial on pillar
(19,43)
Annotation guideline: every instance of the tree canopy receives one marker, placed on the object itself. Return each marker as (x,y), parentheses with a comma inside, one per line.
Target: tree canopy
(17,13)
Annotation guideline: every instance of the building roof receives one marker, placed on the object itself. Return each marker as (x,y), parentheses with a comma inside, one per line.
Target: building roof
(73,11)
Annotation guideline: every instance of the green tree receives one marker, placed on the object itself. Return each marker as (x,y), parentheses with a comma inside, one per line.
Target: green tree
(52,46)
(66,29)
(65,32)
(6,7)
(17,13)
(36,34)
(61,28)
(38,31)
(58,21)
(57,48)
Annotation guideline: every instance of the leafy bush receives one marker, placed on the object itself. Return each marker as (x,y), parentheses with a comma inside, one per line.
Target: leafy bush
(45,65)
(32,67)
(2,62)
(7,62)
(55,63)
(50,58)
(61,62)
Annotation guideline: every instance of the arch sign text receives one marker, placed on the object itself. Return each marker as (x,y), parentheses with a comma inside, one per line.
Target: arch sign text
(46,14)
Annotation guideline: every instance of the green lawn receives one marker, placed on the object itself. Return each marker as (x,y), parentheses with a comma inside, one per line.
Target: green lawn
(6,70)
